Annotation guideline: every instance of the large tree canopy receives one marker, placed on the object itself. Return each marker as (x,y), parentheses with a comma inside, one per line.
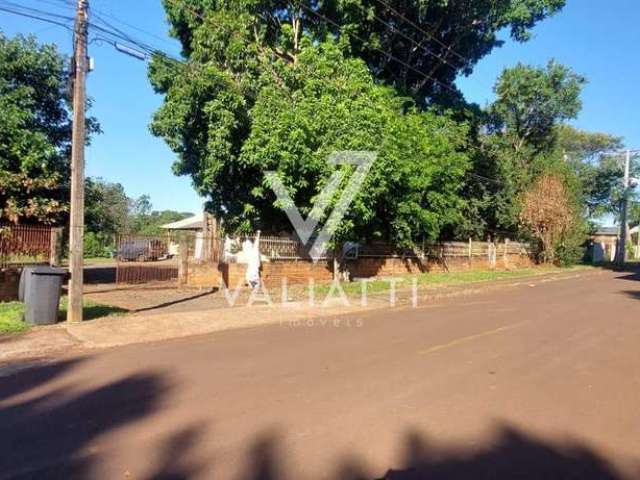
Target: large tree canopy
(273,85)
(35,131)
(325,103)
(521,139)
(418,47)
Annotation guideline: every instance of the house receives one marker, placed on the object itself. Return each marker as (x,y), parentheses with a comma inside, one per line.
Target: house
(194,223)
(634,234)
(603,244)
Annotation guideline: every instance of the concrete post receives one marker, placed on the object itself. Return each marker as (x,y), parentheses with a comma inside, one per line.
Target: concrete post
(183,265)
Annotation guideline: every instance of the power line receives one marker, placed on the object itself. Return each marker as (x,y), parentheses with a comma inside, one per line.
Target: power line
(99,15)
(426,77)
(416,26)
(407,37)
(36,17)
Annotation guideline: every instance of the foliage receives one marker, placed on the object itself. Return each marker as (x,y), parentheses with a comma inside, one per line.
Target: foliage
(106,207)
(532,101)
(600,177)
(547,212)
(11,318)
(245,77)
(35,131)
(97,245)
(520,140)
(242,34)
(143,220)
(322,104)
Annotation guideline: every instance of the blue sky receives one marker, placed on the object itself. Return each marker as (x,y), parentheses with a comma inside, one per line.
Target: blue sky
(597,39)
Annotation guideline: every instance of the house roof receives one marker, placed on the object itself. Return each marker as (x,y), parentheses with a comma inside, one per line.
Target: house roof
(196,222)
(607,231)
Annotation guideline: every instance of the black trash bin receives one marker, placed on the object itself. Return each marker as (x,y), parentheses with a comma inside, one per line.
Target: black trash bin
(40,289)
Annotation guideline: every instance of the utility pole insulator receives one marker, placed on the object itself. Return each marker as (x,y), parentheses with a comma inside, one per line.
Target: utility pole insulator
(76,217)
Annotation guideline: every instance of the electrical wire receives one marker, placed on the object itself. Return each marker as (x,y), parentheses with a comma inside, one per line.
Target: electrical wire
(37,17)
(417,27)
(426,77)
(407,37)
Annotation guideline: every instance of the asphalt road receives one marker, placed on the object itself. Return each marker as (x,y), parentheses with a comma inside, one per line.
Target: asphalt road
(541,381)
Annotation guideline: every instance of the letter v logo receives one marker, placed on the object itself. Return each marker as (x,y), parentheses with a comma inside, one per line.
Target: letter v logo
(306,228)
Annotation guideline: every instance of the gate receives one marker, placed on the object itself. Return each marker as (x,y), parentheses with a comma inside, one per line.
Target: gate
(171,259)
(146,259)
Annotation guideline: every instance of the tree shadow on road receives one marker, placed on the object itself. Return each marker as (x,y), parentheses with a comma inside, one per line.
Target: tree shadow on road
(513,455)
(44,430)
(47,426)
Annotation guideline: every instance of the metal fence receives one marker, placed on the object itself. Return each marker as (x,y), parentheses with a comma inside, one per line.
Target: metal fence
(160,258)
(145,258)
(25,244)
(286,248)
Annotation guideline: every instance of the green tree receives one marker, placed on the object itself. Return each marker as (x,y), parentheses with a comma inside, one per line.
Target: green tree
(436,39)
(326,103)
(35,131)
(106,207)
(601,176)
(522,137)
(106,216)
(243,70)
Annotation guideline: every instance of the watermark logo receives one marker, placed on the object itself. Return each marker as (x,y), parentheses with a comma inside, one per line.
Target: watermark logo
(306,229)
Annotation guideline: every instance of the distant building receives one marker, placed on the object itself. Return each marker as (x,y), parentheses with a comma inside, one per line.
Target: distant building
(195,223)
(603,244)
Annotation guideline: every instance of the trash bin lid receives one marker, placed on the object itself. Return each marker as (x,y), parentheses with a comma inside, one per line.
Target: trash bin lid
(48,271)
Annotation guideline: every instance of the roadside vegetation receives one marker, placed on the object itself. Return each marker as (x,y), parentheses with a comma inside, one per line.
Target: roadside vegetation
(11,318)
(11,314)
(442,279)
(265,92)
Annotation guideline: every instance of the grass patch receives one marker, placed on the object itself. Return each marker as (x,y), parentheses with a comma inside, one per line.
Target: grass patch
(445,279)
(91,310)
(11,318)
(11,314)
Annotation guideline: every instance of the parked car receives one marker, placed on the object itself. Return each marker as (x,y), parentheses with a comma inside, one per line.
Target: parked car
(141,250)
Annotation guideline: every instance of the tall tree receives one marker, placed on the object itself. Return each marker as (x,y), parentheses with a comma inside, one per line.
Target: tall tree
(522,137)
(547,212)
(417,47)
(35,131)
(106,207)
(601,175)
(325,103)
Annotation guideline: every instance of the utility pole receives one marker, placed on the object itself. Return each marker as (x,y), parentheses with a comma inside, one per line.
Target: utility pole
(76,220)
(621,252)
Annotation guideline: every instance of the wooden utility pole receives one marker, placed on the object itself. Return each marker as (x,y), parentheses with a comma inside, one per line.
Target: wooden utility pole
(76,221)
(621,251)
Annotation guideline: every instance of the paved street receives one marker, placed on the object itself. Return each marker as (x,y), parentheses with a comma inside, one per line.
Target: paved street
(540,381)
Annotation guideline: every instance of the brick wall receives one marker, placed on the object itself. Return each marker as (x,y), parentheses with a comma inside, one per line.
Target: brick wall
(9,280)
(301,271)
(273,272)
(204,275)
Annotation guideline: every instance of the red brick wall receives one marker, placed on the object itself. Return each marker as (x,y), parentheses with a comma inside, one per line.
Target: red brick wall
(273,272)
(9,280)
(301,271)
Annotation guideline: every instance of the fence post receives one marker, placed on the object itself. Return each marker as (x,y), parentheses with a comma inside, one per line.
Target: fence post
(491,251)
(183,265)
(55,246)
(505,258)
(470,254)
